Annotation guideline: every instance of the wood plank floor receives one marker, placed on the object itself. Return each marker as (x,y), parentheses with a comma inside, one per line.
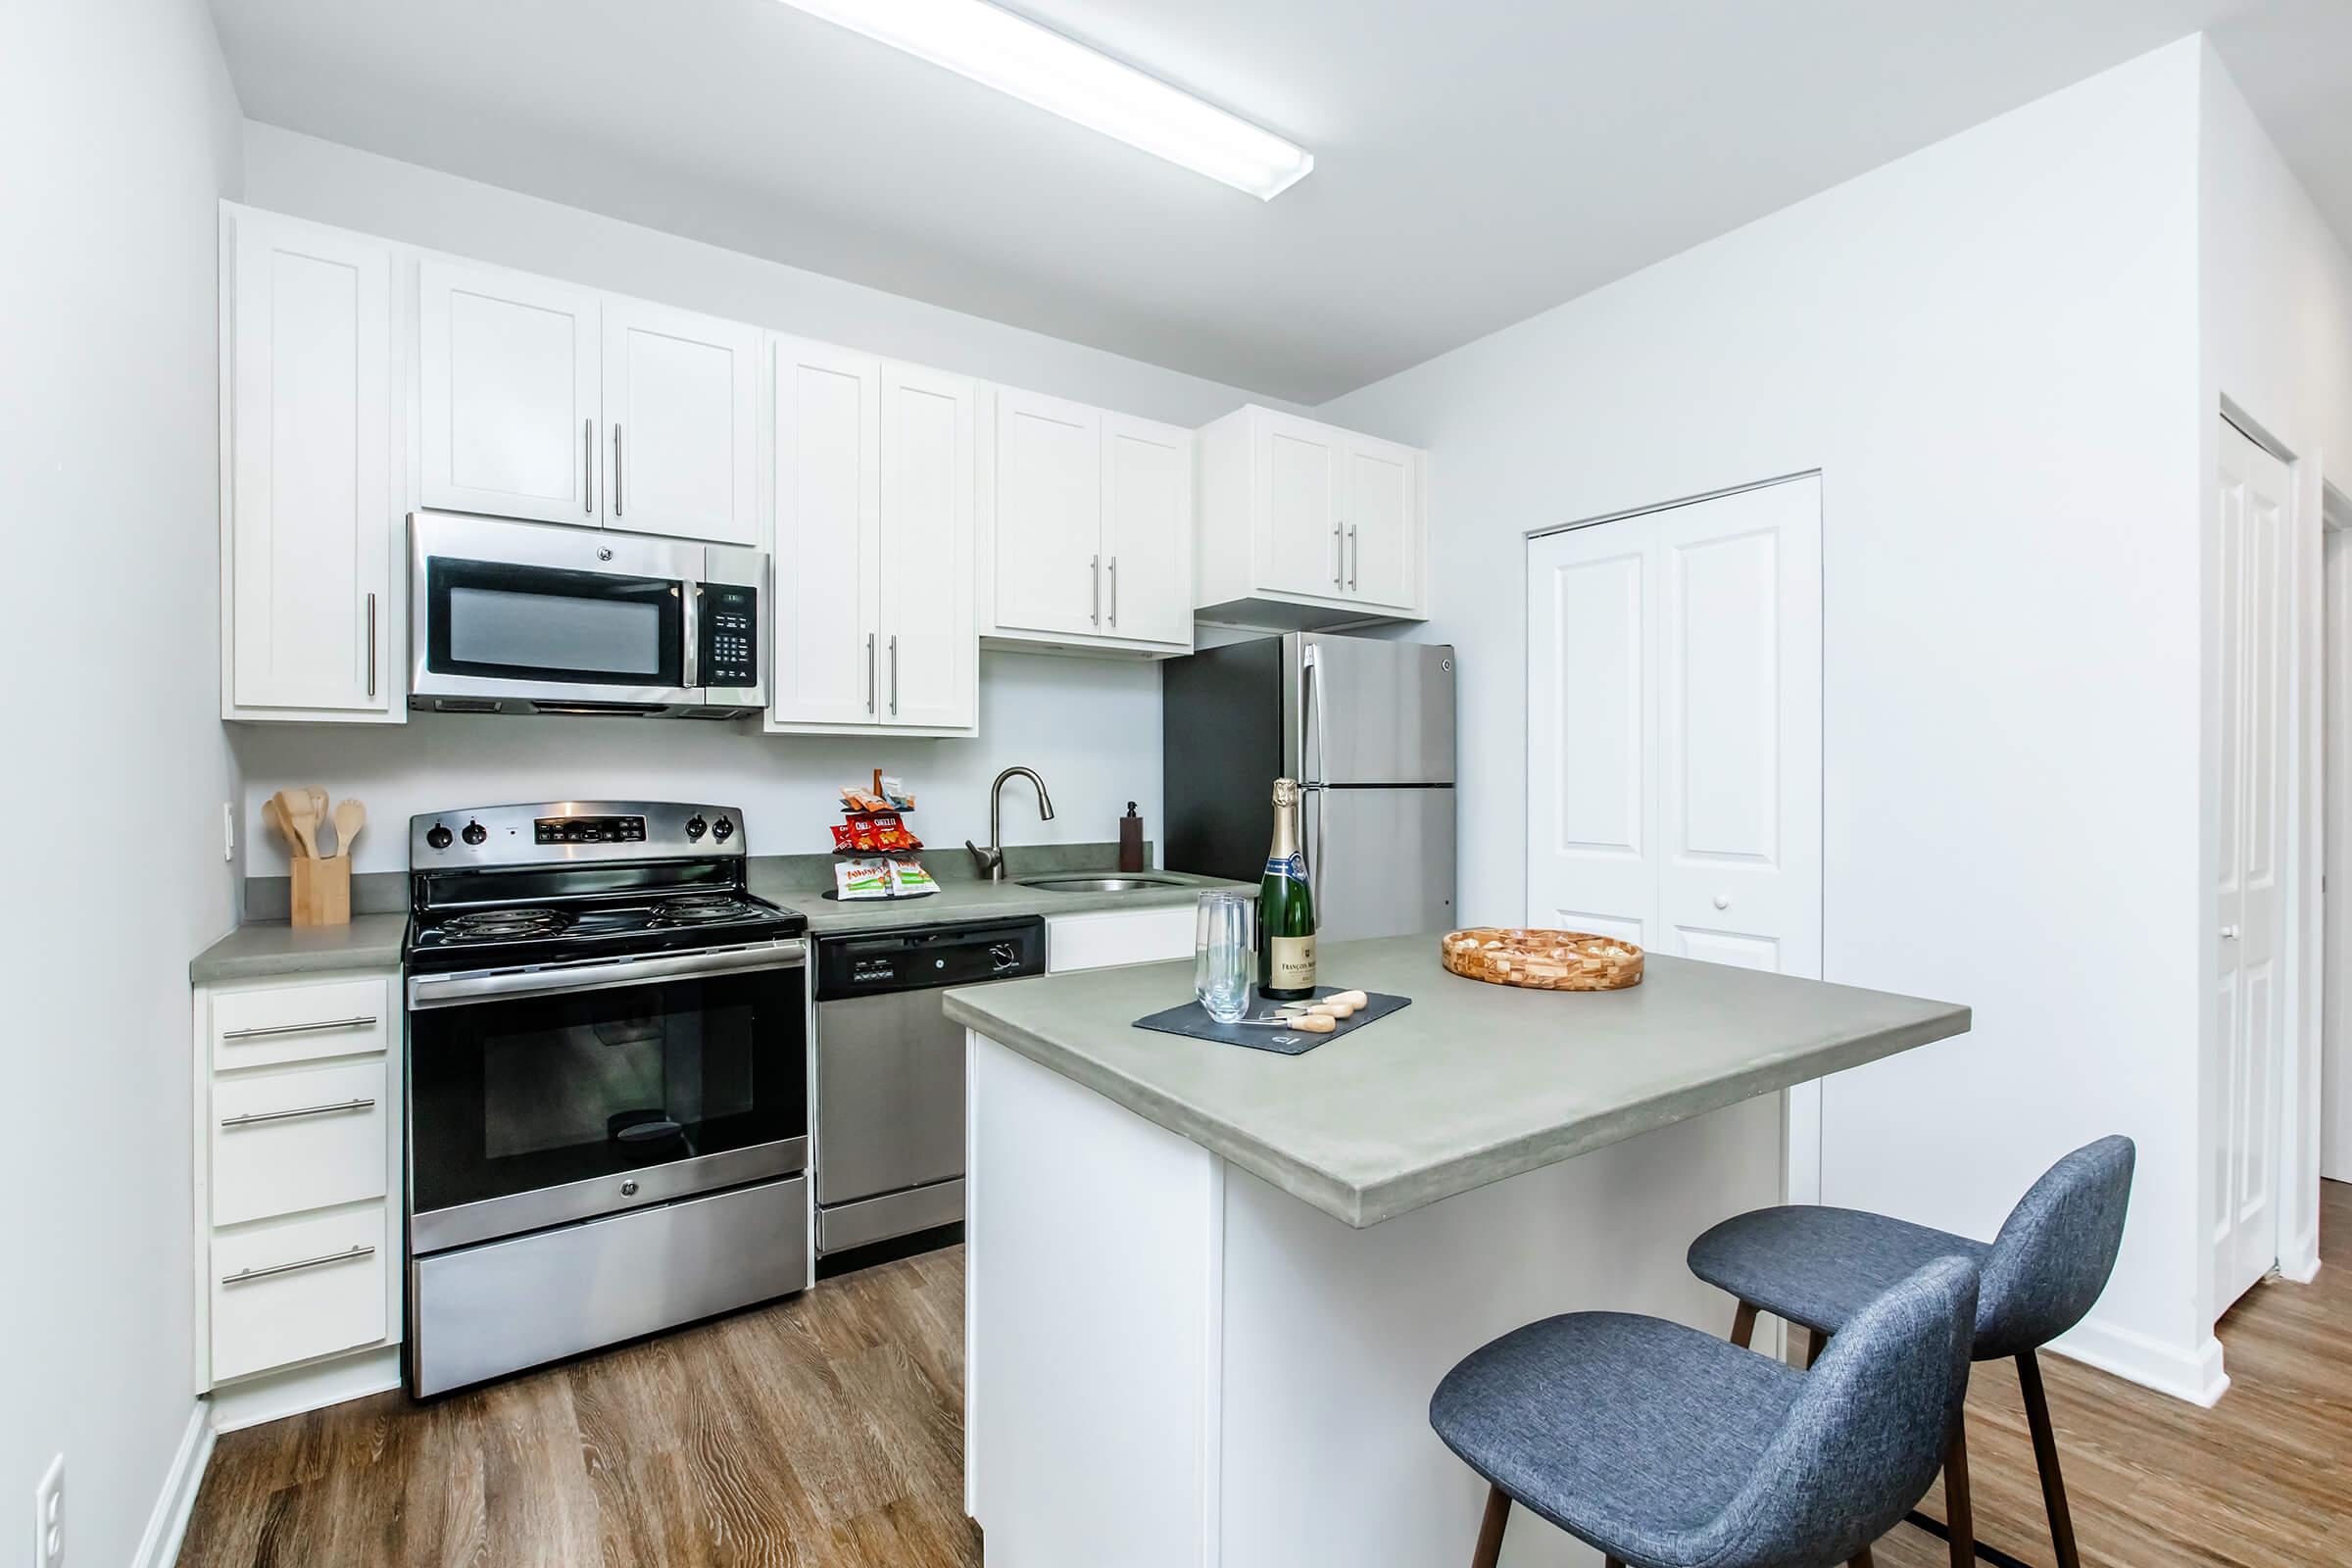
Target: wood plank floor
(826,1431)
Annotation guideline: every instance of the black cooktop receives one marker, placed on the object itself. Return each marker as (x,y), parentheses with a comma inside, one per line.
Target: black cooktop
(568,931)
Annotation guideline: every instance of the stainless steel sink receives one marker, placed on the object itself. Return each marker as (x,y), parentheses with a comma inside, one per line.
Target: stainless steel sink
(1095,882)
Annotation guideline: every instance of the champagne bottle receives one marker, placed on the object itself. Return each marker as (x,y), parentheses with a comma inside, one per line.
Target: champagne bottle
(1286,908)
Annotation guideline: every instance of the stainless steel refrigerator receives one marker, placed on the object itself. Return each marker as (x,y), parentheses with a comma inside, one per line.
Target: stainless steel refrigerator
(1366,725)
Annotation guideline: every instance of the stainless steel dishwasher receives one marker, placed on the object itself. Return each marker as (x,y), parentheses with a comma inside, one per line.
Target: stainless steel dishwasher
(890,1073)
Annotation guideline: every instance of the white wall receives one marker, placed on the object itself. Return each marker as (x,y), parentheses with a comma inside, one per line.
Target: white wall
(2276,297)
(1989,351)
(118,132)
(1091,727)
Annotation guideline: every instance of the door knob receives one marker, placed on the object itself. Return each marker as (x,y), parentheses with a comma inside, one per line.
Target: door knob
(1722,901)
(2229,933)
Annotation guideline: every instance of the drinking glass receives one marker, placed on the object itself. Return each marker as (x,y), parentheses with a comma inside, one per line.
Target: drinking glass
(1221,952)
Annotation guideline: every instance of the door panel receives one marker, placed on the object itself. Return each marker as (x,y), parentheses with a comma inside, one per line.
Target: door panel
(1147,530)
(1379,523)
(829,534)
(1388,711)
(930,649)
(310,489)
(1049,515)
(510,393)
(1380,862)
(1302,465)
(2250,576)
(681,400)
(888,1096)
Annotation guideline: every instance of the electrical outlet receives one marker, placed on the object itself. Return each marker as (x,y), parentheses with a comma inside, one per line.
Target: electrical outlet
(228,830)
(49,1517)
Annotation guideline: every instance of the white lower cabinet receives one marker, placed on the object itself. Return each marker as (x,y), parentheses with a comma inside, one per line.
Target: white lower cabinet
(1119,936)
(298,1163)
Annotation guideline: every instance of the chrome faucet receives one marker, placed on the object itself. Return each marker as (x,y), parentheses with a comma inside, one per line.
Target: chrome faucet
(990,862)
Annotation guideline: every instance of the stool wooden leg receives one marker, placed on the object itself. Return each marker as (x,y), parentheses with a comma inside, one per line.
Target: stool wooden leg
(2045,1459)
(1862,1561)
(1816,1342)
(1959,1516)
(1490,1529)
(1743,1326)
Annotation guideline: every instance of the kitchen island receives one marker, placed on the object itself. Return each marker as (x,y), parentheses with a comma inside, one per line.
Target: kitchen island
(1210,1288)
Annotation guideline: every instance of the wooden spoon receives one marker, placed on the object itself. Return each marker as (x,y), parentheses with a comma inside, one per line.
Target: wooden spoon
(350,818)
(301,820)
(319,815)
(277,818)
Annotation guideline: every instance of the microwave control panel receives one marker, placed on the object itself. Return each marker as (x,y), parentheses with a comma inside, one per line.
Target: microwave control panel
(729,654)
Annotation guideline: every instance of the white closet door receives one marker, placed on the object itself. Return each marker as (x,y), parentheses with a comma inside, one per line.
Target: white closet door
(510,394)
(930,644)
(2250,578)
(828,551)
(1673,740)
(681,397)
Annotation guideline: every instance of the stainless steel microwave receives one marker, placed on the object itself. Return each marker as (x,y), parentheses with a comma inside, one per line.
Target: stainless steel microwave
(529,618)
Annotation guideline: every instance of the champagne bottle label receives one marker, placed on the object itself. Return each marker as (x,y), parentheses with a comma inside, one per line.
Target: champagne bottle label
(1293,964)
(1292,865)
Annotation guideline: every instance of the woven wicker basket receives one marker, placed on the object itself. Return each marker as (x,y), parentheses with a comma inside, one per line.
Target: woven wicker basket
(1542,961)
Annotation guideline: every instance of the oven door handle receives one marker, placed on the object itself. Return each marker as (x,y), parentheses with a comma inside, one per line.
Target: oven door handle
(428,991)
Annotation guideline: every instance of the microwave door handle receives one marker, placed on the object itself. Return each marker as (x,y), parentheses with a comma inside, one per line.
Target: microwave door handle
(690,593)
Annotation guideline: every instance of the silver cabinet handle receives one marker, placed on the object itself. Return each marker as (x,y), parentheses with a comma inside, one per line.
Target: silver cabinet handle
(251,1118)
(355,1251)
(588,467)
(1356,555)
(261,1029)
(1339,553)
(869,671)
(617,488)
(894,672)
(1115,590)
(371,645)
(1094,570)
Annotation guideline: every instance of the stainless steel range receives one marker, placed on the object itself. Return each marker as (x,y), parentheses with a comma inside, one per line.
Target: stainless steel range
(607,1083)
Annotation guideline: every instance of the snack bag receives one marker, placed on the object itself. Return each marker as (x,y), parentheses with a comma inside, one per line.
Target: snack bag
(861,879)
(845,840)
(907,878)
(893,790)
(889,833)
(853,799)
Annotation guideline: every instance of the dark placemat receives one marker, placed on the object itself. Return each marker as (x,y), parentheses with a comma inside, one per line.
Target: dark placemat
(1193,1019)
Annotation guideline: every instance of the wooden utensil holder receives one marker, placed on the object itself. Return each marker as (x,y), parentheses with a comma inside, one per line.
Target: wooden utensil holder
(321,891)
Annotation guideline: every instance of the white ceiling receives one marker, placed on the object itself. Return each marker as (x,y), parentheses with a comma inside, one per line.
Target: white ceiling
(1475,162)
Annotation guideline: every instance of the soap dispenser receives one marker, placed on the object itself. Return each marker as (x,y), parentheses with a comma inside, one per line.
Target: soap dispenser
(1131,841)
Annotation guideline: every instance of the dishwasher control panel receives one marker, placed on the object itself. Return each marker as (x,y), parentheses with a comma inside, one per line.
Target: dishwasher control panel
(924,957)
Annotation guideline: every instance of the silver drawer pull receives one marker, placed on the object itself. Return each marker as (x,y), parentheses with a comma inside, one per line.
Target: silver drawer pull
(340,1106)
(357,1249)
(259,1030)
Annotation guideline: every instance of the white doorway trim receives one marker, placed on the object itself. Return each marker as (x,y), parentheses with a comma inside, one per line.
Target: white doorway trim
(1800,594)
(2336,836)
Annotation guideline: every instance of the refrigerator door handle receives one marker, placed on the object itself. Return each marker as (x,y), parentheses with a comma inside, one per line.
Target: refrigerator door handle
(1310,697)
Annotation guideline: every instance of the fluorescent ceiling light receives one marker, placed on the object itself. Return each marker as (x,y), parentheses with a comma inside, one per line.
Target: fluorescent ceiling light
(1040,67)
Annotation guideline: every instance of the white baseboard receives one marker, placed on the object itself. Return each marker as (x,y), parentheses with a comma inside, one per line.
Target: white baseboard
(277,1395)
(159,1545)
(2300,1260)
(2191,1374)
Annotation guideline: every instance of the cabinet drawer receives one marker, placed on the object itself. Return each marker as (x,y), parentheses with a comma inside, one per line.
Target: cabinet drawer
(287,1142)
(297,1289)
(262,1027)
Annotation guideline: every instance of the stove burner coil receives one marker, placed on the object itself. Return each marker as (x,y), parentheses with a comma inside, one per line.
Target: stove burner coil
(490,924)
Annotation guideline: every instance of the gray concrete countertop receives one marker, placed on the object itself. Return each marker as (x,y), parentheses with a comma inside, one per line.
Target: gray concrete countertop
(1471,1084)
(259,950)
(798,882)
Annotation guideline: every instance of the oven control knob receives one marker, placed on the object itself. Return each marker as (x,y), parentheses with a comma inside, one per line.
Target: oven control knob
(437,836)
(1001,954)
(475,833)
(722,830)
(696,827)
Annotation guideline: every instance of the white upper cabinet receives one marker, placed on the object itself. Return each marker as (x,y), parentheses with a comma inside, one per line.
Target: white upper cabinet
(873,546)
(1087,528)
(555,403)
(930,651)
(308,608)
(1147,530)
(681,395)
(1303,525)
(510,394)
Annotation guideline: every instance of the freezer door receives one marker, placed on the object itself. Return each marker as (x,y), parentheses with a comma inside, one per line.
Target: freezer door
(1380,862)
(1385,711)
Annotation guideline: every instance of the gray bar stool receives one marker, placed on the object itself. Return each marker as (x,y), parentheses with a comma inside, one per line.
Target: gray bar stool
(1817,1268)
(1664,1447)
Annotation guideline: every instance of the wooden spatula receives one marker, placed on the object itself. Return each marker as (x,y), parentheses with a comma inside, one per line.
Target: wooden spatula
(350,818)
(301,823)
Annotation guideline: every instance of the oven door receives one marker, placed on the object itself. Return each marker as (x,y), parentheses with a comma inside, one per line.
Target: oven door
(538,1097)
(551,616)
